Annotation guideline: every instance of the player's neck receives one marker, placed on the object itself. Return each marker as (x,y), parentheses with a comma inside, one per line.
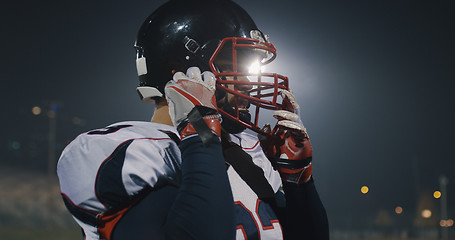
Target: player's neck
(161,115)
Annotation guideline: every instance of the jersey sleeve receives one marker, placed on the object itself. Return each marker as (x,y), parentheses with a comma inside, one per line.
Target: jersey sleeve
(149,163)
(116,162)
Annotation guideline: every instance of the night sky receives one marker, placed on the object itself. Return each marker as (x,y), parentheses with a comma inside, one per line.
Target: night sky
(375,80)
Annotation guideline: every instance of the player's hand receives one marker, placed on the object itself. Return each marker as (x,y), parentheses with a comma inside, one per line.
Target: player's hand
(288,146)
(191,99)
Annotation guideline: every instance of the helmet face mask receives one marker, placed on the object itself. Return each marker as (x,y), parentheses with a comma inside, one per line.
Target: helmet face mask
(239,85)
(217,36)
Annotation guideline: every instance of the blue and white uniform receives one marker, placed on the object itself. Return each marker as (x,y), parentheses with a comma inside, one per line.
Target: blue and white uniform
(105,174)
(103,167)
(255,219)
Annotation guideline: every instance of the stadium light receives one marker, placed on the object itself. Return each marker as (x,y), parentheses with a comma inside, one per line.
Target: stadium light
(398,210)
(446,223)
(437,194)
(426,213)
(36,110)
(449,223)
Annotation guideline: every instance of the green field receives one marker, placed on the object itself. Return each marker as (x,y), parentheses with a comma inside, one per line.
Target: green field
(39,234)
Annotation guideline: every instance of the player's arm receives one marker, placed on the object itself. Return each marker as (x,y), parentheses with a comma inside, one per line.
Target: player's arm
(200,208)
(203,208)
(289,149)
(304,216)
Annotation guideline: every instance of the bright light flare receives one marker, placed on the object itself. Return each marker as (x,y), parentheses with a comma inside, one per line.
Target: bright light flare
(364,189)
(256,67)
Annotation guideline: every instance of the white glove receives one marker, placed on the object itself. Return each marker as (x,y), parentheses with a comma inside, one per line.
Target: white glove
(186,91)
(287,118)
(288,146)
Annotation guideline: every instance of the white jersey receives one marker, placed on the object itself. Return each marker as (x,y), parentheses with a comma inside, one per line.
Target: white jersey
(250,211)
(102,168)
(128,155)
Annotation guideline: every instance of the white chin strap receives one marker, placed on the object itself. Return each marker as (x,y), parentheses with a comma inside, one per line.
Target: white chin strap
(147,93)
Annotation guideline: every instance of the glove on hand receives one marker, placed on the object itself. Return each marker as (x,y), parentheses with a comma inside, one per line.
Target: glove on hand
(192,100)
(288,146)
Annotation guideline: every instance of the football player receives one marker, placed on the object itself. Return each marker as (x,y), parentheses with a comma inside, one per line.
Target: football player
(190,174)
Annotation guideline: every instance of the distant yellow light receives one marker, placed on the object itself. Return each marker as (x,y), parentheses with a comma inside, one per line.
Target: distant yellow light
(364,189)
(36,110)
(446,223)
(426,213)
(437,194)
(398,210)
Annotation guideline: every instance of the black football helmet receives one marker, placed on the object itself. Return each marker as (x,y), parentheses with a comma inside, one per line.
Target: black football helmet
(217,36)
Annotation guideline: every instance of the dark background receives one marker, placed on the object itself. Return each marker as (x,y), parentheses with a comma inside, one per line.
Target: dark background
(375,80)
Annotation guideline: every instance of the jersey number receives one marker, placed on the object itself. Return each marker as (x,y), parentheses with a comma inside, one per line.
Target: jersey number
(247,223)
(108,130)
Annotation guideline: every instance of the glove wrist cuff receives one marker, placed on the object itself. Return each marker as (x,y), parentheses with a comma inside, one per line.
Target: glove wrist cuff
(203,121)
(297,176)
(212,122)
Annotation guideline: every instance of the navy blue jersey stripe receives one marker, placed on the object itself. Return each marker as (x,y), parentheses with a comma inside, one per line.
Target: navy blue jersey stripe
(172,135)
(109,187)
(81,214)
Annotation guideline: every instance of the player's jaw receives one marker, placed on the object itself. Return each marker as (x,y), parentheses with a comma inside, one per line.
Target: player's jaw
(230,125)
(236,107)
(237,103)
